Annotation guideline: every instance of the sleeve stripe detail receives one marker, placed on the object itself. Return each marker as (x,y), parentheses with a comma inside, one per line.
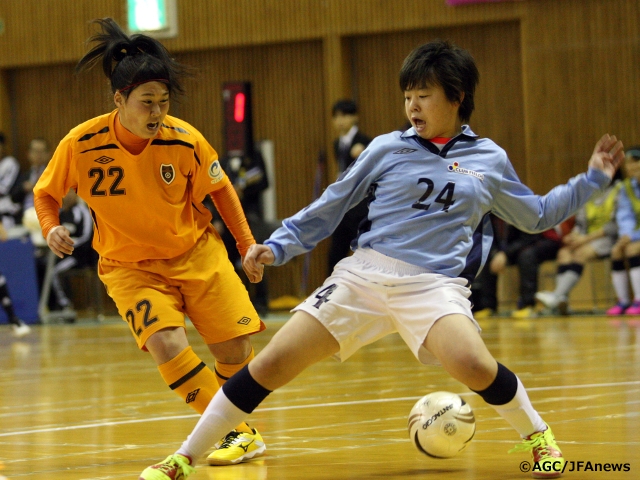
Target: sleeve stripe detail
(110,146)
(172,142)
(91,135)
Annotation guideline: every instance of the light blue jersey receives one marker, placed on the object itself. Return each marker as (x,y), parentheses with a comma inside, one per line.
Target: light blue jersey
(429,206)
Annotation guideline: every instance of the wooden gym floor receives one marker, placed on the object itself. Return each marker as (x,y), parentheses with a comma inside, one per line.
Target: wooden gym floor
(80,402)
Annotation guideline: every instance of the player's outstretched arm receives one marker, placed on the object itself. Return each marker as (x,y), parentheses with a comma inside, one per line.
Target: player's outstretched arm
(254,261)
(608,155)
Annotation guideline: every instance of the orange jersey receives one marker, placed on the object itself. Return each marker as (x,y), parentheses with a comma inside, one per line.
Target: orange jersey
(145,206)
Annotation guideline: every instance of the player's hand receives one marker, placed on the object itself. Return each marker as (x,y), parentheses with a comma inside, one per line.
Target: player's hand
(608,155)
(60,241)
(254,261)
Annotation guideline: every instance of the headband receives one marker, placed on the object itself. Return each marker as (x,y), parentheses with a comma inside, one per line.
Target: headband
(128,87)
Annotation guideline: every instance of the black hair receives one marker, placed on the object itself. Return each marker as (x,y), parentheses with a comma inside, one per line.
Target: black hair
(2,139)
(447,65)
(346,107)
(128,61)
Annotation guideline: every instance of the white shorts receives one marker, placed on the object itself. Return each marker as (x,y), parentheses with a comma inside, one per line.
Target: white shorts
(370,295)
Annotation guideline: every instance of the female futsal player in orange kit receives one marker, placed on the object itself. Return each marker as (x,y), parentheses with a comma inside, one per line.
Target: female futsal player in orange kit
(144,175)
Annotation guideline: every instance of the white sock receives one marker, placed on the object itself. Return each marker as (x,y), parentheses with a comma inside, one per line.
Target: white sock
(220,417)
(634,275)
(520,413)
(565,283)
(620,282)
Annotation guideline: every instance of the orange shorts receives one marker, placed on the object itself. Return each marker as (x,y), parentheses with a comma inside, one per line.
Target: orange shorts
(201,283)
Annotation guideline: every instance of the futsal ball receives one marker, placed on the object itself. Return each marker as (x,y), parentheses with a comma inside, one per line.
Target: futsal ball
(441,424)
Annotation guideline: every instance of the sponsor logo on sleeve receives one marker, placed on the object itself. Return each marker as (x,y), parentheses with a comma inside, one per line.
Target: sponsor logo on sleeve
(215,172)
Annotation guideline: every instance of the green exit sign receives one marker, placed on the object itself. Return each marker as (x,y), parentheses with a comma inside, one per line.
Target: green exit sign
(157,18)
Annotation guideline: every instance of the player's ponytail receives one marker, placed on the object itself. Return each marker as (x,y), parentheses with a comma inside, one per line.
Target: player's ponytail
(129,61)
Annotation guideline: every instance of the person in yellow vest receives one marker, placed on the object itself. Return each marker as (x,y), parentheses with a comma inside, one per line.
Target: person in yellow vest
(593,236)
(628,245)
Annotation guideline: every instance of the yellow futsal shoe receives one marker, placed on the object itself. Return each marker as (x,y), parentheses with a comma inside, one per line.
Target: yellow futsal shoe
(526,312)
(238,447)
(174,467)
(547,457)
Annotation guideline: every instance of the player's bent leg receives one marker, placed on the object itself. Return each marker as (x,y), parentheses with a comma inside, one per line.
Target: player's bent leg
(456,343)
(233,351)
(300,343)
(166,344)
(454,340)
(244,442)
(181,369)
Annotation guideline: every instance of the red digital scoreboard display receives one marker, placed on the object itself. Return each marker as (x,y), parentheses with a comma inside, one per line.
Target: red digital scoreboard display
(238,129)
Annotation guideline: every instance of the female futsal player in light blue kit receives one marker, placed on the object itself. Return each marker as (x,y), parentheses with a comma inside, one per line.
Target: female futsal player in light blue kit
(427,235)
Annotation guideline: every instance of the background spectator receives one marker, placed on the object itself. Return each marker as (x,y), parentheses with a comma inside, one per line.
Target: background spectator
(627,247)
(9,172)
(593,236)
(249,178)
(76,217)
(349,144)
(20,329)
(528,251)
(39,155)
(484,288)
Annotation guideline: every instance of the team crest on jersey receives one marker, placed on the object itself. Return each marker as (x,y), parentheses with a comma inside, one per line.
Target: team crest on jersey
(167,173)
(456,168)
(215,172)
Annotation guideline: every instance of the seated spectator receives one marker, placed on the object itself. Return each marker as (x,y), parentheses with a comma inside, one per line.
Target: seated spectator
(9,171)
(20,329)
(76,217)
(528,251)
(249,177)
(484,288)
(627,247)
(39,155)
(593,236)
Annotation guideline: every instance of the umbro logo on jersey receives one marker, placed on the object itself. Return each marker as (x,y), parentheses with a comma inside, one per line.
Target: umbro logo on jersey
(244,321)
(405,150)
(191,397)
(167,173)
(103,160)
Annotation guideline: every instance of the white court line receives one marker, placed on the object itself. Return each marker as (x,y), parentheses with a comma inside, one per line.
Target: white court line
(292,407)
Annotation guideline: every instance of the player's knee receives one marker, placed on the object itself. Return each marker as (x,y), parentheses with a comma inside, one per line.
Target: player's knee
(235,350)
